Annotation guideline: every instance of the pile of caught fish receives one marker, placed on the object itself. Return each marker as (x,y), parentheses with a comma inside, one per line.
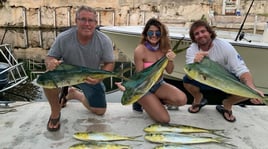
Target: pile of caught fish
(177,136)
(169,136)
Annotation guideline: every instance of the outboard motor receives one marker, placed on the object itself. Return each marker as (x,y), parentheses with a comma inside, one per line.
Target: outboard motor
(242,36)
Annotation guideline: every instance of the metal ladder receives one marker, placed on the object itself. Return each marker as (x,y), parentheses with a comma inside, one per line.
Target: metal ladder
(16,72)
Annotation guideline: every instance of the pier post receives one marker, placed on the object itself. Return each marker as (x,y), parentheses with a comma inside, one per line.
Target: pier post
(24,13)
(55,18)
(39,17)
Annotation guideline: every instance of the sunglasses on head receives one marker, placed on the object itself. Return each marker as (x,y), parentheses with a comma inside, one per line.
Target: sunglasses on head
(156,33)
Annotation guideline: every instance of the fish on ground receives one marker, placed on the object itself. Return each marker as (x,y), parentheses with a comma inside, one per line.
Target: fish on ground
(67,75)
(213,74)
(179,128)
(167,137)
(141,82)
(99,145)
(174,146)
(102,136)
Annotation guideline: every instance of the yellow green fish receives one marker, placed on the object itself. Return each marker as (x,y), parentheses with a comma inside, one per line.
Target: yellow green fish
(141,82)
(102,136)
(99,145)
(174,146)
(213,74)
(67,75)
(179,128)
(166,137)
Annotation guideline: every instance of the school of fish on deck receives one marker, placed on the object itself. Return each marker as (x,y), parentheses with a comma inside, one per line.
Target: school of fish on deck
(169,136)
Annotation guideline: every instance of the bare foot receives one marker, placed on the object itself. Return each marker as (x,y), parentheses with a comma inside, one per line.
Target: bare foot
(72,93)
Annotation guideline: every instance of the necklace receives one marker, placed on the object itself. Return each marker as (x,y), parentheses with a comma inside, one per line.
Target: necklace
(208,47)
(150,47)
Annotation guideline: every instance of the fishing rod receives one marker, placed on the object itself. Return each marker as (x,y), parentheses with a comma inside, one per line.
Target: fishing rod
(242,25)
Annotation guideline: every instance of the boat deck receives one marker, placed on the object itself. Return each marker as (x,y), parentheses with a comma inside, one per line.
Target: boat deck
(25,127)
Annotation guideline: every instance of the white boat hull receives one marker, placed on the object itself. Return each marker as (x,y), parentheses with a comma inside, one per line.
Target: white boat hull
(255,54)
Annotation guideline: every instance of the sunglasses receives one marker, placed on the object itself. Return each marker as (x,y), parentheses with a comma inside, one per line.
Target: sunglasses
(156,33)
(84,20)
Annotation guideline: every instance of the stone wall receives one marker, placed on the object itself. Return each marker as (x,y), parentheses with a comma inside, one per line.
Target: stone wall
(59,13)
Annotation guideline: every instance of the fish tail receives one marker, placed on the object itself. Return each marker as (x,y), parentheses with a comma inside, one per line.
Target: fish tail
(135,137)
(121,73)
(265,99)
(220,135)
(222,141)
(217,131)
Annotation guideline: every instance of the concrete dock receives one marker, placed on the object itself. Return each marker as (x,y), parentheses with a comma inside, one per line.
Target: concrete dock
(24,127)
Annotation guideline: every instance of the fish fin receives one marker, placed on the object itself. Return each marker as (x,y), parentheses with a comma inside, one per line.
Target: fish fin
(121,72)
(53,80)
(134,137)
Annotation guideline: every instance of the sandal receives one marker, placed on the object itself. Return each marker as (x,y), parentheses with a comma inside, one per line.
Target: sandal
(221,110)
(62,96)
(53,122)
(199,106)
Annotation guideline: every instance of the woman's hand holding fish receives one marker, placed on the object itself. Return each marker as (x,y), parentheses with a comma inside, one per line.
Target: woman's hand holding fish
(120,86)
(170,55)
(90,80)
(199,56)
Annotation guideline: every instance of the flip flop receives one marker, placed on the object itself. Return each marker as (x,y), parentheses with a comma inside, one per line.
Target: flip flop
(221,110)
(137,107)
(199,106)
(54,122)
(62,96)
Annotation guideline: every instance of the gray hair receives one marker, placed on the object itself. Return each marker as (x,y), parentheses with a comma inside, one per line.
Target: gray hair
(85,8)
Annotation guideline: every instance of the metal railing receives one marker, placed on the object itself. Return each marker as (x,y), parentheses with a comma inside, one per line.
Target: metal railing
(16,72)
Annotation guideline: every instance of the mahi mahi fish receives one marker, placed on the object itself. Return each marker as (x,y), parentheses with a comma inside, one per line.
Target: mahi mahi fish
(174,146)
(67,75)
(102,136)
(99,145)
(179,128)
(141,82)
(213,74)
(167,137)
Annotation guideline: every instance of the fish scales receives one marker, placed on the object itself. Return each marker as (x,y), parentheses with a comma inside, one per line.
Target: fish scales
(101,136)
(99,145)
(157,127)
(165,137)
(174,146)
(67,75)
